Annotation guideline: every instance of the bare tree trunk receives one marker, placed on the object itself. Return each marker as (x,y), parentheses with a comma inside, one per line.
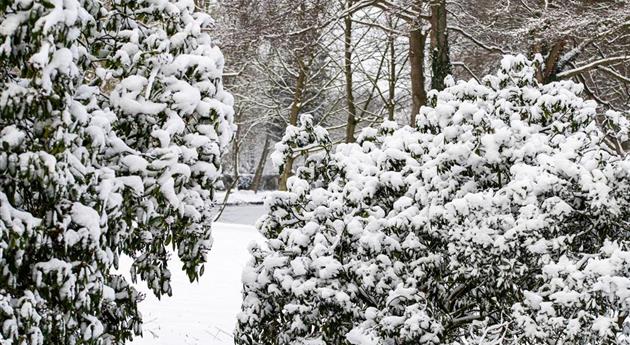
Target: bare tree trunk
(201,5)
(260,168)
(300,84)
(551,65)
(286,173)
(296,106)
(417,41)
(236,152)
(391,46)
(440,61)
(352,111)
(547,73)
(235,156)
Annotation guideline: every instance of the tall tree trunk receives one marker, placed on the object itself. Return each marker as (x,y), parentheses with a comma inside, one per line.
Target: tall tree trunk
(286,173)
(352,110)
(236,150)
(300,84)
(553,59)
(296,106)
(201,5)
(417,41)
(260,168)
(391,46)
(440,61)
(548,71)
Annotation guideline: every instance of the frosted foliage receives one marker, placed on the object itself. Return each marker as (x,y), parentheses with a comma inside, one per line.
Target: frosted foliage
(501,218)
(112,121)
(299,140)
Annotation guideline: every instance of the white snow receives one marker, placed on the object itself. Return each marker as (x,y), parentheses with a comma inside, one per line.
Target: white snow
(88,218)
(237,197)
(203,312)
(135,163)
(12,136)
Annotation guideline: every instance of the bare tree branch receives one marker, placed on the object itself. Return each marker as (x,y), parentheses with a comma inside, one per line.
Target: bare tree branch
(602,62)
(487,47)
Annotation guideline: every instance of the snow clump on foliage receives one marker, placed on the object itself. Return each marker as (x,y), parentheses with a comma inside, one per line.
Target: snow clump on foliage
(112,122)
(502,217)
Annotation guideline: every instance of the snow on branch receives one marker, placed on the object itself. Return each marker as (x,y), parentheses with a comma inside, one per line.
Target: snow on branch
(487,47)
(585,68)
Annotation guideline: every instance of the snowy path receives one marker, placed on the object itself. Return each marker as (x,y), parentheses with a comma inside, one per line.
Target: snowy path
(242,214)
(204,312)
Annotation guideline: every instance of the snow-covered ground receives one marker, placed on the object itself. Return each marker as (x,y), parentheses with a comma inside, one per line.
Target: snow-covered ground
(241,197)
(204,312)
(242,214)
(243,206)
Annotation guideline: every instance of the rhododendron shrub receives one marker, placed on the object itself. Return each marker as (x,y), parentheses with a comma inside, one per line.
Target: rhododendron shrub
(501,217)
(112,122)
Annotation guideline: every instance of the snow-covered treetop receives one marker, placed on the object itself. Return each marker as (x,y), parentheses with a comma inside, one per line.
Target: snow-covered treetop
(502,217)
(113,118)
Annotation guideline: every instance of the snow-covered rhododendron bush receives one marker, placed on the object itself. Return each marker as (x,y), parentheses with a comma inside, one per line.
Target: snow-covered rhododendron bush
(112,121)
(503,217)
